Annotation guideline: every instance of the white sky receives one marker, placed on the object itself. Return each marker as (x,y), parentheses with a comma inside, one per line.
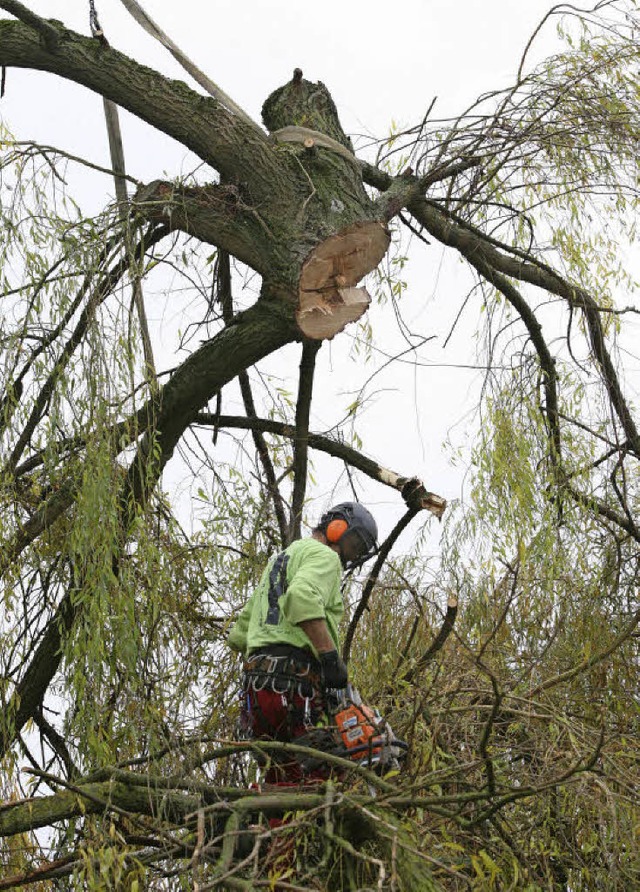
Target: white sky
(382,63)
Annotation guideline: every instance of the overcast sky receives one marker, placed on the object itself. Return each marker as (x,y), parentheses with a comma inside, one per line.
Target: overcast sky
(383,63)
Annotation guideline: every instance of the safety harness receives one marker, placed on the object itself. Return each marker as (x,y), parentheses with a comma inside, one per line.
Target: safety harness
(282,668)
(354,730)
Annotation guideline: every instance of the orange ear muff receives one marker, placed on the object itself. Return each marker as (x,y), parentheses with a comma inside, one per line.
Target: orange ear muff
(336,529)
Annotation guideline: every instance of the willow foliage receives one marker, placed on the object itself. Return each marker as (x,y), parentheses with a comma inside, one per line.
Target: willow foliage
(137,512)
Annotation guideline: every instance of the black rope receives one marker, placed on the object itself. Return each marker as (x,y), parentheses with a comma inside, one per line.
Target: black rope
(94,24)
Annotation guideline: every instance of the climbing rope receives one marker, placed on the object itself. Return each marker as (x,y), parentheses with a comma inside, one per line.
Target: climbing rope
(94,24)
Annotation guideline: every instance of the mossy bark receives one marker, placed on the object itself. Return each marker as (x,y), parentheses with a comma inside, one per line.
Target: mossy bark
(279,202)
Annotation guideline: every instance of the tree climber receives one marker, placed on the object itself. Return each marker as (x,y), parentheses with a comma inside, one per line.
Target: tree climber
(287,633)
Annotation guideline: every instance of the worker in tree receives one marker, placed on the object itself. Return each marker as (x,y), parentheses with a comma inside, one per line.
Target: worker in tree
(288,633)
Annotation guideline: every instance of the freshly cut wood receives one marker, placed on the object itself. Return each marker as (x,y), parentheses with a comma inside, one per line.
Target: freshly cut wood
(323,320)
(327,298)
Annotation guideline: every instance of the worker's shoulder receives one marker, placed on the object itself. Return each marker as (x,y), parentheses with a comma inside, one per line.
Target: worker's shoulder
(303,549)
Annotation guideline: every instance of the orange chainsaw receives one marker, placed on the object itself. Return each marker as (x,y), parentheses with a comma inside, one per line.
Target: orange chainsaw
(362,734)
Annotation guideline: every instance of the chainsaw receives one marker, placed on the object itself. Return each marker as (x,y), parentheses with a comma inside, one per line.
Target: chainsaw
(362,734)
(355,732)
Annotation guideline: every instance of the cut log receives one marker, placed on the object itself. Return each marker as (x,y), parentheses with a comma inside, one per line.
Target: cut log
(327,298)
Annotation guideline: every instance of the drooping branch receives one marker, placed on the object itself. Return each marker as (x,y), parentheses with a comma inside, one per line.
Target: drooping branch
(482,252)
(253,335)
(426,500)
(14,386)
(547,363)
(301,439)
(97,294)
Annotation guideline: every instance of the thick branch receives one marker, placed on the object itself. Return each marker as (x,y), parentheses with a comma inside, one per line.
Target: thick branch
(215,214)
(20,11)
(95,799)
(215,134)
(423,498)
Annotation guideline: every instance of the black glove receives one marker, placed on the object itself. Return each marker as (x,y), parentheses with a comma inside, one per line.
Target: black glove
(334,671)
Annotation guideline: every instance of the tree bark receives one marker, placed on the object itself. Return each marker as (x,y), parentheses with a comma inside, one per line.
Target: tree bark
(297,213)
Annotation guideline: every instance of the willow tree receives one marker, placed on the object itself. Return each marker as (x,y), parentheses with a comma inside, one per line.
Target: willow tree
(116,687)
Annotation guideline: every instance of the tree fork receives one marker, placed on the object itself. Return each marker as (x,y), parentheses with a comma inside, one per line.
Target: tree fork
(313,230)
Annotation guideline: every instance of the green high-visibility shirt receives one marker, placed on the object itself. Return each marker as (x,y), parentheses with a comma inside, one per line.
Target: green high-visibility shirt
(312,592)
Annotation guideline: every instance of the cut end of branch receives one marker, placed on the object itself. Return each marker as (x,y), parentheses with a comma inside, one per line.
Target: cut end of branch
(420,499)
(435,504)
(323,318)
(328,300)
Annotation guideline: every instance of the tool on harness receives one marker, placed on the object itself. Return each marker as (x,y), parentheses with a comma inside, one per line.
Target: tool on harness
(283,668)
